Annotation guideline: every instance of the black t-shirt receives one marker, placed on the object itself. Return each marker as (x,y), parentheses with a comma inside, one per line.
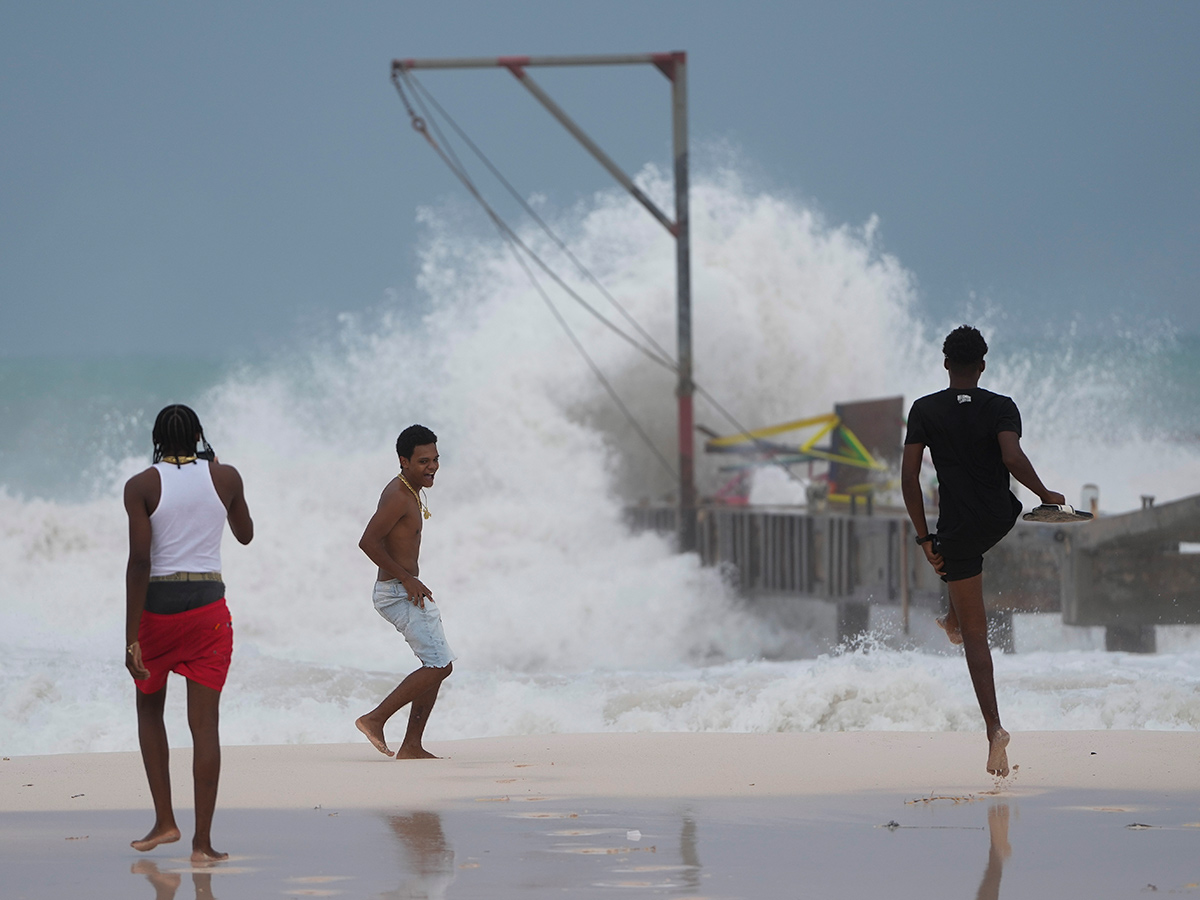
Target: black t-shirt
(959,427)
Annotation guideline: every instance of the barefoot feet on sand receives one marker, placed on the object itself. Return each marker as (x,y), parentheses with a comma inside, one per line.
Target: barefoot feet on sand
(998,754)
(156,836)
(374,734)
(952,631)
(202,856)
(414,753)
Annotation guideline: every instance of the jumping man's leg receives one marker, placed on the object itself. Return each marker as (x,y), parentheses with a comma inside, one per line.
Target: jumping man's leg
(412,689)
(966,600)
(203,708)
(949,624)
(152,737)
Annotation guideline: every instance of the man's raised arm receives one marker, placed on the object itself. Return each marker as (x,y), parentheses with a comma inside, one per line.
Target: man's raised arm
(229,488)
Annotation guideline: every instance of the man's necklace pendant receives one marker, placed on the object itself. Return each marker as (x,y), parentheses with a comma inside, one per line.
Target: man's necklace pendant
(420,504)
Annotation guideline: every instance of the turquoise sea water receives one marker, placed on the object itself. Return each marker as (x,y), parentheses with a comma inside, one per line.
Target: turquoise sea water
(65,420)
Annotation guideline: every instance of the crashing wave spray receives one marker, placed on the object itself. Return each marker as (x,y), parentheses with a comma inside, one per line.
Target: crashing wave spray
(542,587)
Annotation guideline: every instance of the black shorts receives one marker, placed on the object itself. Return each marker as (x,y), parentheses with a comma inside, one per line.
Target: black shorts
(962,556)
(966,533)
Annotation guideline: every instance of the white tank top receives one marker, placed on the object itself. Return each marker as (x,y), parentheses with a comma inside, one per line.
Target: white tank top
(187,525)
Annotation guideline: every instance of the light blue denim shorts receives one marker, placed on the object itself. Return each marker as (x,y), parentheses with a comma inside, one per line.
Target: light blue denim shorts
(422,628)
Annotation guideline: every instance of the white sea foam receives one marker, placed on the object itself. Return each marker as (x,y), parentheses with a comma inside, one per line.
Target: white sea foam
(562,619)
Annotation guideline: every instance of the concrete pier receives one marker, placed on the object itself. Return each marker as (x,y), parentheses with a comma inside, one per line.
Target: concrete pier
(1127,573)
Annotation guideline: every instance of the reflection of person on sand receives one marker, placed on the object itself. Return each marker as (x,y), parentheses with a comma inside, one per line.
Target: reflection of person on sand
(392,540)
(176,617)
(998,851)
(974,437)
(167,883)
(431,858)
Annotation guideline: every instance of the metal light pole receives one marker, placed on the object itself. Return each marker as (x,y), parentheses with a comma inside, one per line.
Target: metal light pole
(674,66)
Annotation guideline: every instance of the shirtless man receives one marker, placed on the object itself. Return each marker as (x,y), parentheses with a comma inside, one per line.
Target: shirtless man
(974,437)
(176,619)
(392,540)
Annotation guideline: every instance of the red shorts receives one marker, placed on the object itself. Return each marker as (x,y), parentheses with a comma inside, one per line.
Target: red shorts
(197,644)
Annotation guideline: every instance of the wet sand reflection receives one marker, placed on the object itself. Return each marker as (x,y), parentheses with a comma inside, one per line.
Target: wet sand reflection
(167,883)
(428,854)
(998,851)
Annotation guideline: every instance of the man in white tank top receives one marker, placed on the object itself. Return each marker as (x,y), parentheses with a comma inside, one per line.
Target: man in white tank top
(176,617)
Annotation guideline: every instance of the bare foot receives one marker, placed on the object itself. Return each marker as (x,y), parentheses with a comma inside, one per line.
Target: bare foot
(952,632)
(154,838)
(997,763)
(374,735)
(204,855)
(414,753)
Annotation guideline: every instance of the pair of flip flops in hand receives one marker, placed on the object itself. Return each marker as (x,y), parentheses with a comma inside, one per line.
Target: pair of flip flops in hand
(1055,512)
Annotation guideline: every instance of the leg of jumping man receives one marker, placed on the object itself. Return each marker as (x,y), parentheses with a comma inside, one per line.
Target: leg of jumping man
(966,600)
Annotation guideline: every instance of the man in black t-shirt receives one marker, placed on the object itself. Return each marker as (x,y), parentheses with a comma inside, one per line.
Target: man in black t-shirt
(974,437)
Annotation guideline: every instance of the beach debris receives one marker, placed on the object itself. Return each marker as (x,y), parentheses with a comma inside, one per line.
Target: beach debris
(893,825)
(633,835)
(1150,887)
(933,798)
(73,796)
(610,851)
(27,785)
(1138,826)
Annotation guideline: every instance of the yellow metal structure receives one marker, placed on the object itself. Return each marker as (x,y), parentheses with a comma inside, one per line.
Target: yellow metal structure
(754,441)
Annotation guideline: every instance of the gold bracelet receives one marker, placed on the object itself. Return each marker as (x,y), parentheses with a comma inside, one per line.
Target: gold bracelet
(129,649)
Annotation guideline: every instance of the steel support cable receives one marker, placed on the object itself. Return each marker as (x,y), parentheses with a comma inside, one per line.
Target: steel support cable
(612,392)
(517,246)
(455,166)
(418,90)
(450,158)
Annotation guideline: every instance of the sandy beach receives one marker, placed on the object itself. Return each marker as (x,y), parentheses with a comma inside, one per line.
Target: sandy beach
(716,815)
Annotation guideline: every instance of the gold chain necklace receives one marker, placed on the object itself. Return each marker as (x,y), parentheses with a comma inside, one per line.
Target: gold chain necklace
(424,509)
(178,460)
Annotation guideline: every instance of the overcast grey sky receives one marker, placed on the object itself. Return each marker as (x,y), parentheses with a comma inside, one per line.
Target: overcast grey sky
(205,176)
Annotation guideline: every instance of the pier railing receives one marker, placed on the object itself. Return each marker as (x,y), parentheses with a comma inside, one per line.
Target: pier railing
(1127,573)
